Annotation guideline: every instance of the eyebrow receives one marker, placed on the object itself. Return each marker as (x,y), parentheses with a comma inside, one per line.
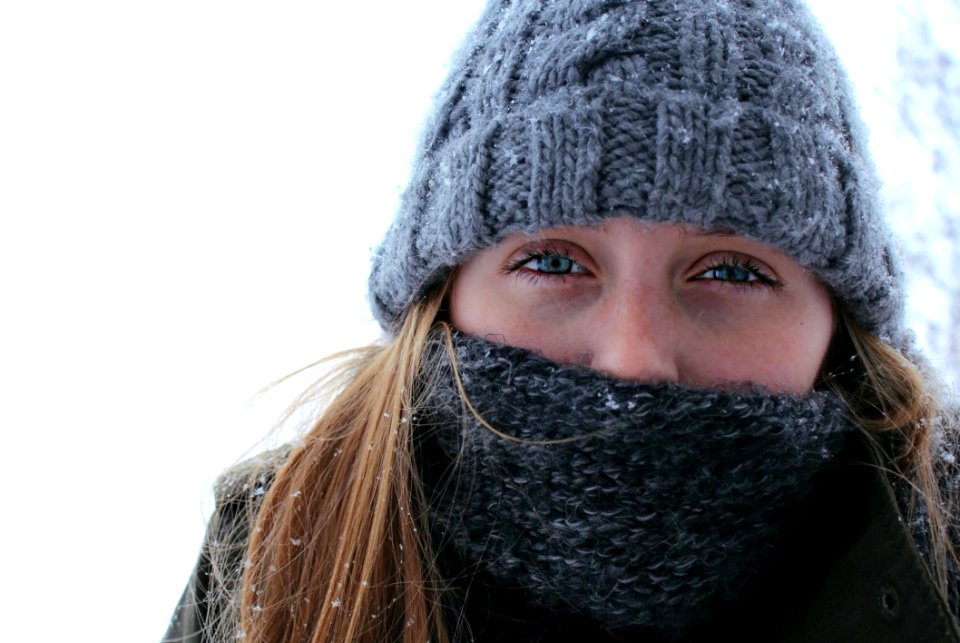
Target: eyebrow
(601,226)
(684,230)
(720,232)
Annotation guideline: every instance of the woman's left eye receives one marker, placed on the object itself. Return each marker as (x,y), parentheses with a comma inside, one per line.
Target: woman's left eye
(737,271)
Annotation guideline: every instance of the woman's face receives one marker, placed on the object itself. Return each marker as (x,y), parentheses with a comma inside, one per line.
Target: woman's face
(650,302)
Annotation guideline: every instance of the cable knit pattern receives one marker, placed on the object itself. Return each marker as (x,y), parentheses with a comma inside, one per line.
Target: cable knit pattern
(727,115)
(634,504)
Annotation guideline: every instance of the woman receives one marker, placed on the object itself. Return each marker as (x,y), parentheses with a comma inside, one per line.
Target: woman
(646,378)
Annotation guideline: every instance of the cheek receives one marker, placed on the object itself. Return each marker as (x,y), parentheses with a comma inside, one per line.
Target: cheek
(812,340)
(470,304)
(484,306)
(503,310)
(782,348)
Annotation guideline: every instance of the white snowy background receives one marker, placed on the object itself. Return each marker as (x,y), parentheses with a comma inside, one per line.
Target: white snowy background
(189,192)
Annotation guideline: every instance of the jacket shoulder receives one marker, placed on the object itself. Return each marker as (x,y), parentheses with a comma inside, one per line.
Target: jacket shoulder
(208,610)
(247,481)
(948,473)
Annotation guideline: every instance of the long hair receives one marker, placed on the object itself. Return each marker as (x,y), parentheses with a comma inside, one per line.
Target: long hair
(339,549)
(896,405)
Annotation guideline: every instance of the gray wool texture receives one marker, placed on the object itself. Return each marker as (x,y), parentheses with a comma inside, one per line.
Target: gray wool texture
(726,114)
(652,507)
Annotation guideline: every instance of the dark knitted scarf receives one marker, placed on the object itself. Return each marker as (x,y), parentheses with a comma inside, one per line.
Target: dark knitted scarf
(632,504)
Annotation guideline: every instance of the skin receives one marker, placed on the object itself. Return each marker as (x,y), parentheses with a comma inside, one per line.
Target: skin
(651,302)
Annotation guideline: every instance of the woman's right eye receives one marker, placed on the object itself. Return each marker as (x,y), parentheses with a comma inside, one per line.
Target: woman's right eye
(545,263)
(550,263)
(557,261)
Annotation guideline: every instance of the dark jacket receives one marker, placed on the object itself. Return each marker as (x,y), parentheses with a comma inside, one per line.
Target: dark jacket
(850,572)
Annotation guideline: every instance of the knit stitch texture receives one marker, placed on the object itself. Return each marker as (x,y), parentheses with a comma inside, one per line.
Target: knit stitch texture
(731,114)
(636,505)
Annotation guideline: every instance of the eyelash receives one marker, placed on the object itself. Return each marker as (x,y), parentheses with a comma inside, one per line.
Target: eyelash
(515,267)
(763,278)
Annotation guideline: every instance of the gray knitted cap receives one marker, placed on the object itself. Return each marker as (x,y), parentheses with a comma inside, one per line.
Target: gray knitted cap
(723,114)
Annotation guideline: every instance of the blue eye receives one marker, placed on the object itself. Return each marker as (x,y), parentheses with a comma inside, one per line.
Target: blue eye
(729,273)
(550,263)
(737,271)
(545,262)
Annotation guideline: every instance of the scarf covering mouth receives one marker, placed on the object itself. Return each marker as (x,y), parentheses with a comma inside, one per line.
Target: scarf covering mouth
(638,505)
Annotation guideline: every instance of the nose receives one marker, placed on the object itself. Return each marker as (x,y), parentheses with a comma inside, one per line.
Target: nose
(636,339)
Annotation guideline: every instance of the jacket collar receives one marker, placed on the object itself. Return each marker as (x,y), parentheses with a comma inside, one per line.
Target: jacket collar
(879,589)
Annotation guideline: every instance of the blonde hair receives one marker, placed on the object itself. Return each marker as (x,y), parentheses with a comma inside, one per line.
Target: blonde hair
(338,550)
(895,404)
(339,547)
